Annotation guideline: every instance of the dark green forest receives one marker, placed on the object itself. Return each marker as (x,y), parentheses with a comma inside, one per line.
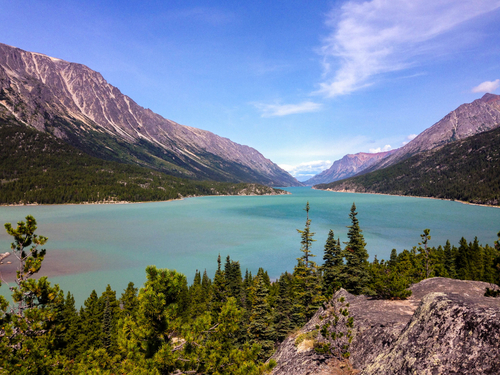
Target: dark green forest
(467,170)
(36,167)
(228,324)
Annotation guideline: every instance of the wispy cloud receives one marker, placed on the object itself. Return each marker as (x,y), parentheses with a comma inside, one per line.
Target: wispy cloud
(370,38)
(380,149)
(304,171)
(488,86)
(275,110)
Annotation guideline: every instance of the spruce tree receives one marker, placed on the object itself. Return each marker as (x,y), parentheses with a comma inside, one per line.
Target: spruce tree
(260,328)
(449,260)
(128,301)
(307,285)
(283,321)
(219,290)
(425,251)
(333,265)
(356,276)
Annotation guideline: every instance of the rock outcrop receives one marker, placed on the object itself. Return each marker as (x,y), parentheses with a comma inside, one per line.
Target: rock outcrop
(446,327)
(77,105)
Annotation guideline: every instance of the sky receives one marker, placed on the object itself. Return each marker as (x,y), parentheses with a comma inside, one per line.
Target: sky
(303,82)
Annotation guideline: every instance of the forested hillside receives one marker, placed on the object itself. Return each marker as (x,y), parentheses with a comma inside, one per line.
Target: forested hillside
(230,324)
(467,170)
(36,167)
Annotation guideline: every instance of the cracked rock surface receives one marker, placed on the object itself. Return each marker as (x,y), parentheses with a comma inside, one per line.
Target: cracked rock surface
(446,327)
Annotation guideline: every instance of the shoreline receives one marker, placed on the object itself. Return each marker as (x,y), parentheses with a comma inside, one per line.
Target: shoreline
(410,196)
(129,202)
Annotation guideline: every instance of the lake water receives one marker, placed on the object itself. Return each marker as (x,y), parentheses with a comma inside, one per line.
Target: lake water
(91,246)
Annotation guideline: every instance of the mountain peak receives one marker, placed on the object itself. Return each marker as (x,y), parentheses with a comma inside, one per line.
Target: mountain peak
(490,98)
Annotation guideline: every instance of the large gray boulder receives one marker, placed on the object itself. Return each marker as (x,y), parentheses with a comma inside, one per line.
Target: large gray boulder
(446,327)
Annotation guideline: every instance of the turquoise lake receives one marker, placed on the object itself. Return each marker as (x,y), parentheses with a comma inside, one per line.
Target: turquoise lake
(91,246)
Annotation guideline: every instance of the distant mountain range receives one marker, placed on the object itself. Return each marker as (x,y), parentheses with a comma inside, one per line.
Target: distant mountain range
(457,158)
(78,106)
(348,166)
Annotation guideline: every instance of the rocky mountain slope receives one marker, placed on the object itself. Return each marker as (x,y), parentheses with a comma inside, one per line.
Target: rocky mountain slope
(467,120)
(77,105)
(446,327)
(348,166)
(466,170)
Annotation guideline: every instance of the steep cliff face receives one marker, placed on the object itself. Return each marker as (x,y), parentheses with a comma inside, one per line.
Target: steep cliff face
(467,120)
(446,327)
(348,166)
(77,105)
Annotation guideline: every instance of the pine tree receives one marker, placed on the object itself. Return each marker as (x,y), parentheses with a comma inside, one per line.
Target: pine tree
(449,260)
(232,272)
(219,290)
(260,328)
(128,301)
(282,321)
(356,276)
(462,261)
(306,240)
(333,265)
(425,251)
(91,321)
(307,285)
(106,327)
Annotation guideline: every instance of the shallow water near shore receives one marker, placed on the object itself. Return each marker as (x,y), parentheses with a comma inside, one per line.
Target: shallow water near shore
(91,246)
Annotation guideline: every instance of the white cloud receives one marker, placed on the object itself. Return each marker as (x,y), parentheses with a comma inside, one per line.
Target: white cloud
(306,170)
(488,86)
(380,149)
(409,138)
(370,38)
(274,110)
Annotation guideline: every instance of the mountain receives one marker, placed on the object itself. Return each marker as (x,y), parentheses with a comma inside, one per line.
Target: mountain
(78,106)
(465,121)
(348,166)
(36,167)
(466,170)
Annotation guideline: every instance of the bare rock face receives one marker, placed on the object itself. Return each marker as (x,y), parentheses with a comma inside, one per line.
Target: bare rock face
(467,120)
(45,92)
(446,327)
(348,166)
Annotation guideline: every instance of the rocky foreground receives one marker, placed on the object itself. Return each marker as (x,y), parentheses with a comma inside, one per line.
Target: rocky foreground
(446,327)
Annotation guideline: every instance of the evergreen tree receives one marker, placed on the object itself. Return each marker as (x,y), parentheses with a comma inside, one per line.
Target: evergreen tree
(219,290)
(449,262)
(91,321)
(462,261)
(306,240)
(28,328)
(333,265)
(356,276)
(232,272)
(107,327)
(128,301)
(260,329)
(283,321)
(425,251)
(307,285)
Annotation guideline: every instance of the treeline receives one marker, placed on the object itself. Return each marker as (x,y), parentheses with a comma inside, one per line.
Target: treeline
(228,324)
(38,168)
(467,170)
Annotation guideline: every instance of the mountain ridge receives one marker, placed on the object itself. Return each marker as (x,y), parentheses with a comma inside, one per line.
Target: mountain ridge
(466,120)
(349,165)
(70,100)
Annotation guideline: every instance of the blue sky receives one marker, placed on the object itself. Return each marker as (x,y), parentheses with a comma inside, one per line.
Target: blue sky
(303,82)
